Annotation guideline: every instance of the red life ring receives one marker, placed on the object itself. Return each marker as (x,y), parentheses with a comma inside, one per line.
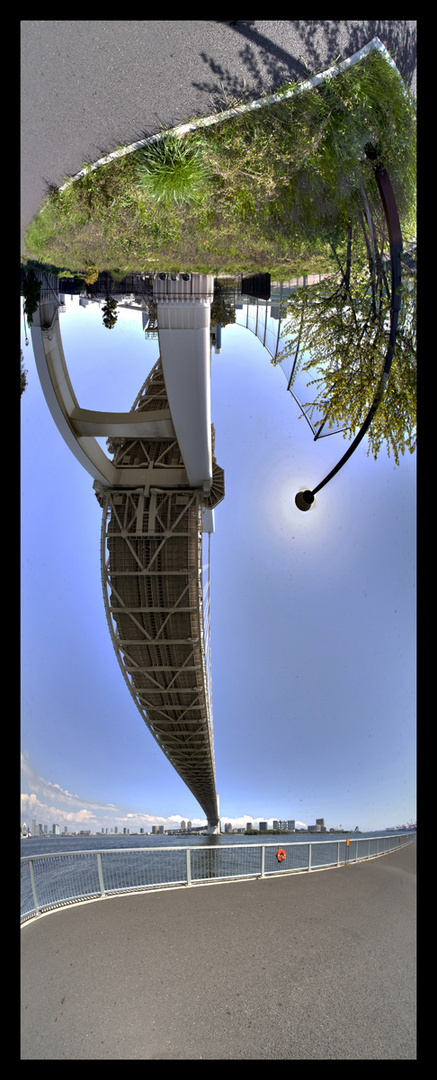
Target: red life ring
(281,854)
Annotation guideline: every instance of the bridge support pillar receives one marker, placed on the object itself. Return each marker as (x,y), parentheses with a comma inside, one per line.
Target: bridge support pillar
(214,823)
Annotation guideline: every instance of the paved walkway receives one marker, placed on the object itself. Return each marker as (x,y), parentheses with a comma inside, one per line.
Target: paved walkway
(314,966)
(88,86)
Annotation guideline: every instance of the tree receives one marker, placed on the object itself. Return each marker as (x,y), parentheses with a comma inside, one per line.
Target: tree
(109,316)
(31,293)
(342,324)
(23,374)
(91,273)
(222,308)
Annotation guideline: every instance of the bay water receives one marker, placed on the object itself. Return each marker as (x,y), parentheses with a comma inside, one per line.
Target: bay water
(76,872)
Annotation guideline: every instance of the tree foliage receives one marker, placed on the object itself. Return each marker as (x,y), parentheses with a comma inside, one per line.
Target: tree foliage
(109,313)
(23,374)
(31,293)
(337,332)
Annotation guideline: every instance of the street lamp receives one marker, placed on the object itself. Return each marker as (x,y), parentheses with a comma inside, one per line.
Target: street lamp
(305,498)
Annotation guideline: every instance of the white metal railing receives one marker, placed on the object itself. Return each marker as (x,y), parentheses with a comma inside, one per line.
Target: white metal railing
(53,880)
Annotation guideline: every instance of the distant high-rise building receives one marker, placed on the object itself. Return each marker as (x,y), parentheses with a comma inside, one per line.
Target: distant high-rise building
(263,826)
(275,824)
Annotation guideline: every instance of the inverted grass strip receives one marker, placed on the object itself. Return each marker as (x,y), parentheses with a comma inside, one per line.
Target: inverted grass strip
(259,103)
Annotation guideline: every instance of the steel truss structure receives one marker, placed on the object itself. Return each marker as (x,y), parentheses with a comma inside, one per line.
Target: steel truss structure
(152,578)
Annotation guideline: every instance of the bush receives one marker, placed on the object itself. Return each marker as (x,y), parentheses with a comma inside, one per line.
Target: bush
(91,273)
(172,170)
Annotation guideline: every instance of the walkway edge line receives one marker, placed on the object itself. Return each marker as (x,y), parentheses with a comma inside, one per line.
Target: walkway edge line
(374,45)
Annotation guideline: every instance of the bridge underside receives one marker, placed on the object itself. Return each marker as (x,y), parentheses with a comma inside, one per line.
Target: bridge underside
(152,554)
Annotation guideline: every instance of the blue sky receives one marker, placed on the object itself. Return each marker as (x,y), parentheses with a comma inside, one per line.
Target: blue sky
(313,622)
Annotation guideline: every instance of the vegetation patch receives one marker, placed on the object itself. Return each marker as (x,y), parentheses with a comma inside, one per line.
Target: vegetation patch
(273,190)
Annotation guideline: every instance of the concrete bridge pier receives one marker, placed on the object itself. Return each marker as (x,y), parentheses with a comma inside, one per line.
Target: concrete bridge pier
(214,823)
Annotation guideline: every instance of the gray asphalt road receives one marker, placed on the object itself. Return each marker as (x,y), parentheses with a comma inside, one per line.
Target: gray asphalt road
(315,966)
(90,86)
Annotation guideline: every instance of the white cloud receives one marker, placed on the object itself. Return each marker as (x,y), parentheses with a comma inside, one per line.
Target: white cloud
(54,792)
(240,822)
(49,803)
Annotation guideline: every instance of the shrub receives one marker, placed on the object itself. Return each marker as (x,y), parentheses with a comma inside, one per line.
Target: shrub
(91,273)
(172,170)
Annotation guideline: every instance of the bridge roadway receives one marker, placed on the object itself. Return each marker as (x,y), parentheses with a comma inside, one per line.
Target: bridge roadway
(316,966)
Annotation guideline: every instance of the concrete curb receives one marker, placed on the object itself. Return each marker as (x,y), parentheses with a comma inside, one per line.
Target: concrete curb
(374,45)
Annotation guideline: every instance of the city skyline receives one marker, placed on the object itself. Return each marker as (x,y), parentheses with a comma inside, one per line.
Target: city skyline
(312,620)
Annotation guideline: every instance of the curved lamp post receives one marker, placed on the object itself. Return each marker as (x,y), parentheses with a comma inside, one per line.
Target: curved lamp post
(305,498)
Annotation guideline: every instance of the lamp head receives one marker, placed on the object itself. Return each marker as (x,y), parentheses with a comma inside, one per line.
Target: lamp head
(304,499)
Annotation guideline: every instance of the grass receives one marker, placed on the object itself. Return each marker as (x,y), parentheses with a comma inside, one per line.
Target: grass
(267,191)
(173,171)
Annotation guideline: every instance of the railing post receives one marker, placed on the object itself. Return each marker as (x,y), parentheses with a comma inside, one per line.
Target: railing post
(338,853)
(32,882)
(100,872)
(263,860)
(188,857)
(309,856)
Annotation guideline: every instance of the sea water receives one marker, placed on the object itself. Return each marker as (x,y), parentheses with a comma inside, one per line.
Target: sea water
(124,866)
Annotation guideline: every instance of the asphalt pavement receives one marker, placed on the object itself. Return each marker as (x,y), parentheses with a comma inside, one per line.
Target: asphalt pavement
(318,966)
(89,86)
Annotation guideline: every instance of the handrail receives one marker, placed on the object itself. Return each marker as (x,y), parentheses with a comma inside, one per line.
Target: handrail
(215,864)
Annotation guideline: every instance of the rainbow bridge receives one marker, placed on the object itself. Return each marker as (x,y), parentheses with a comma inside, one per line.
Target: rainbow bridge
(158,490)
